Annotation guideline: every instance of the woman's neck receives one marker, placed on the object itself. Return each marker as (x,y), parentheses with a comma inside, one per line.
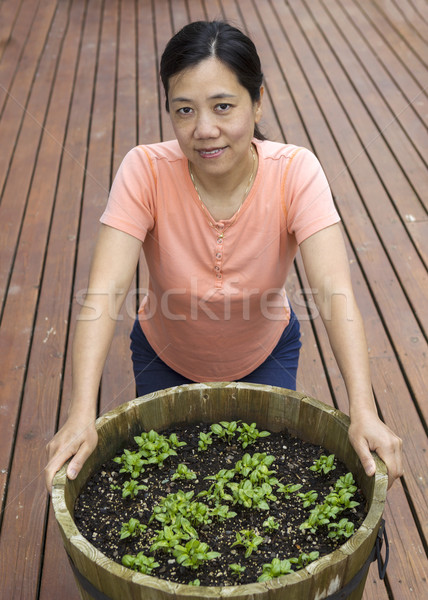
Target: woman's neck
(223,196)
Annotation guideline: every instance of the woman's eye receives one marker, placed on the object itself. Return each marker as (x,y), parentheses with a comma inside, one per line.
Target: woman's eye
(223,107)
(185,110)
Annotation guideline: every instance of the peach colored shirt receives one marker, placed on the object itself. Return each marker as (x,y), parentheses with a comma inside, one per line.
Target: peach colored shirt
(216,306)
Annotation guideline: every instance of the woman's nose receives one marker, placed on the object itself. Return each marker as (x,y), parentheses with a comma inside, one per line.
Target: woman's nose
(206,127)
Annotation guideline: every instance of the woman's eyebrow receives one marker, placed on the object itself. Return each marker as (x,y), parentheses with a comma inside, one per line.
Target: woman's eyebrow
(219,96)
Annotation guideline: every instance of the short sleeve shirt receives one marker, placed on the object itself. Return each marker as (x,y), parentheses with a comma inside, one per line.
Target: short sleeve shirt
(216,304)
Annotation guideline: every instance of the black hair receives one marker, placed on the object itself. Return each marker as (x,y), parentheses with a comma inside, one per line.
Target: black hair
(200,40)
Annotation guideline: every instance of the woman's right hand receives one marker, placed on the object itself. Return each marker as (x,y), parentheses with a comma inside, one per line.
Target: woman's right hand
(77,440)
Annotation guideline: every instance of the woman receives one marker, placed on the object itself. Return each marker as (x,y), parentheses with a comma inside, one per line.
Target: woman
(220,213)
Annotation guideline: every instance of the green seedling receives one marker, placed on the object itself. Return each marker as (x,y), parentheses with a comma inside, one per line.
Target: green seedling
(271,524)
(222,512)
(131,462)
(216,493)
(168,538)
(303,560)
(248,434)
(205,440)
(324,464)
(183,472)
(132,529)
(193,554)
(174,442)
(346,482)
(309,498)
(237,569)
(143,564)
(156,448)
(276,568)
(195,583)
(343,528)
(287,489)
(317,518)
(224,475)
(131,488)
(170,507)
(248,463)
(249,539)
(250,495)
(225,430)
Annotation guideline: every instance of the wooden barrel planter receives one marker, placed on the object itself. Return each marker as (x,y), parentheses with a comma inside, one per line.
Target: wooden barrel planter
(271,408)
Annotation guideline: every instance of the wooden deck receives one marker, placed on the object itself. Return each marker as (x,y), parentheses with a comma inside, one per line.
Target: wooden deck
(78,89)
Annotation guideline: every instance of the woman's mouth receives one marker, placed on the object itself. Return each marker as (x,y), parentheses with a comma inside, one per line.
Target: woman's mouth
(211,152)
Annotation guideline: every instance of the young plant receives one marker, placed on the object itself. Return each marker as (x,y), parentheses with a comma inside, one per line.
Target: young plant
(174,442)
(168,538)
(237,569)
(287,489)
(131,462)
(171,507)
(183,472)
(132,529)
(225,430)
(205,440)
(346,482)
(249,539)
(222,476)
(343,528)
(250,495)
(193,554)
(131,488)
(248,463)
(324,464)
(276,568)
(317,518)
(222,512)
(143,564)
(271,524)
(309,498)
(248,434)
(304,559)
(156,448)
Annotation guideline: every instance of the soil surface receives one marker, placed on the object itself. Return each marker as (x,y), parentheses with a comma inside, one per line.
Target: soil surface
(100,511)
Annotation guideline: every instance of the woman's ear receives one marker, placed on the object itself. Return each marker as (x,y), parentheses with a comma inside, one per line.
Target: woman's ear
(258,106)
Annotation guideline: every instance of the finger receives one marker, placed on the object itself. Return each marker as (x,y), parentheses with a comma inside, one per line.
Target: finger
(79,460)
(394,464)
(53,466)
(365,456)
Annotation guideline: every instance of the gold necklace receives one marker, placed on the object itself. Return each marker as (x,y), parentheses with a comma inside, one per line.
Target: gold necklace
(220,231)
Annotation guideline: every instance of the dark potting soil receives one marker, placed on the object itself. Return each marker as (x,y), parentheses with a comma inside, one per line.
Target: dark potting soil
(100,510)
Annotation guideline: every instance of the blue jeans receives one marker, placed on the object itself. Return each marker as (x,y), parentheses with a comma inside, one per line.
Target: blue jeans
(279,369)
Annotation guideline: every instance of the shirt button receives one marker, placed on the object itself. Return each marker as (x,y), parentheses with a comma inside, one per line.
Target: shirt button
(218,275)
(217,268)
(218,255)
(219,240)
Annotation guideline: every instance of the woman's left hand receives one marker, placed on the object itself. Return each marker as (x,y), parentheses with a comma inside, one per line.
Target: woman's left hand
(370,434)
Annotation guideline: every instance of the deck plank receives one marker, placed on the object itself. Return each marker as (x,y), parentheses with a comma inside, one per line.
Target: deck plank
(23,292)
(43,378)
(117,384)
(78,88)
(57,579)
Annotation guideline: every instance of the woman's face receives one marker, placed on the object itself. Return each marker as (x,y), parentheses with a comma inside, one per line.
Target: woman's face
(213,118)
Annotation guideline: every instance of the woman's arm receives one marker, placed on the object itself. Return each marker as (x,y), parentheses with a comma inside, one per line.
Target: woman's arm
(113,267)
(327,269)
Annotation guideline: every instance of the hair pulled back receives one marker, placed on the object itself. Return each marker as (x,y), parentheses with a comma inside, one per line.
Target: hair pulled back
(213,39)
